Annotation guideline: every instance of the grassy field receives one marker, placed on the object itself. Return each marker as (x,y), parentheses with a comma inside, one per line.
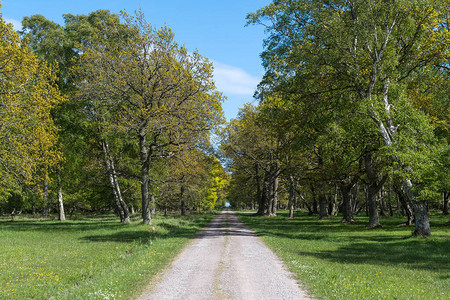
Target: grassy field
(88,258)
(343,261)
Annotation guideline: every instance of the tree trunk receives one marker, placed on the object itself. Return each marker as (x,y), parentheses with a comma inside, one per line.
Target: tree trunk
(346,202)
(446,203)
(183,203)
(145,179)
(291,197)
(420,211)
(121,206)
(355,197)
(62,215)
(382,203)
(404,205)
(372,191)
(296,202)
(374,218)
(153,198)
(259,193)
(388,132)
(45,199)
(334,202)
(314,203)
(267,191)
(276,179)
(323,206)
(391,211)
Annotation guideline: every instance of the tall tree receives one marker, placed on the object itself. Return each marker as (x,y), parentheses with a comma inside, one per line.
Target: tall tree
(28,136)
(152,88)
(365,51)
(61,46)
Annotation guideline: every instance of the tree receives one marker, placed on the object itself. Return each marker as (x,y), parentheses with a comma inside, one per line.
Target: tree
(60,46)
(341,53)
(152,89)
(28,136)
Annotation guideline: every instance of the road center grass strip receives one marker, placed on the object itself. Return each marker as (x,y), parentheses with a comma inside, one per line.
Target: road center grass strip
(88,258)
(349,261)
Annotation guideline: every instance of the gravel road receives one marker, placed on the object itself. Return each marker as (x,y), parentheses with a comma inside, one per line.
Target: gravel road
(226,261)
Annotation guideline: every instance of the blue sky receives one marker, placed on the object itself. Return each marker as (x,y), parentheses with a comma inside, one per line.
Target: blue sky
(216,28)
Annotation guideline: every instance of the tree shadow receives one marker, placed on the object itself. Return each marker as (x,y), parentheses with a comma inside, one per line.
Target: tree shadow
(360,245)
(142,236)
(51,226)
(412,254)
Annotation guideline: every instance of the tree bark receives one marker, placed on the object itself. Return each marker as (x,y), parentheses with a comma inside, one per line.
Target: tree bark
(334,202)
(62,215)
(267,192)
(382,203)
(346,202)
(276,179)
(388,133)
(374,218)
(183,203)
(372,191)
(313,210)
(446,203)
(420,211)
(259,193)
(121,206)
(291,197)
(405,205)
(145,178)
(323,205)
(45,199)
(153,198)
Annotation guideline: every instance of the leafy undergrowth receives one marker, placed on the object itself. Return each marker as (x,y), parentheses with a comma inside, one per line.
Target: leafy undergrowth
(349,261)
(88,258)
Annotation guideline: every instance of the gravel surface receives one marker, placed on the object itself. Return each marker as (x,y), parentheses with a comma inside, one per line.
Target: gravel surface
(226,261)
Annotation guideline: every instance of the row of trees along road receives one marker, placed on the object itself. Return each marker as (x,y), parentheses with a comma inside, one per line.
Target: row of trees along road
(103,111)
(354,104)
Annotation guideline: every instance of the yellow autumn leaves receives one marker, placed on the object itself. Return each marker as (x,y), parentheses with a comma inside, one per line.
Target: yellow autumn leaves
(28,93)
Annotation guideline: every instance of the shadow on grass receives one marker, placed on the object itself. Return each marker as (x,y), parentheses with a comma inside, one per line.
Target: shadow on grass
(67,226)
(114,230)
(356,244)
(220,227)
(429,255)
(142,236)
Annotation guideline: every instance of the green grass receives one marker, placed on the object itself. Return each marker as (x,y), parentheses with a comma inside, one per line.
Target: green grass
(88,258)
(342,261)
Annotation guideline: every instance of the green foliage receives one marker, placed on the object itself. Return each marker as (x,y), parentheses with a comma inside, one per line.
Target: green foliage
(28,136)
(358,77)
(101,103)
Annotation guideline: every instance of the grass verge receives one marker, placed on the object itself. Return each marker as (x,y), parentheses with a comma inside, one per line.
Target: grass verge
(349,261)
(89,258)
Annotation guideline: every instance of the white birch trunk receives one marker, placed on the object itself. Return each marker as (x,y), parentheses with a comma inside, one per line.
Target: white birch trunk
(62,215)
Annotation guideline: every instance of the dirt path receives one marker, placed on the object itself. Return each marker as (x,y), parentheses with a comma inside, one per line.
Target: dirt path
(226,261)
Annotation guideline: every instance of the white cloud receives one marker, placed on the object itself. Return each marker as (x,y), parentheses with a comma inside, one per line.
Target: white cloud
(233,80)
(16,24)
